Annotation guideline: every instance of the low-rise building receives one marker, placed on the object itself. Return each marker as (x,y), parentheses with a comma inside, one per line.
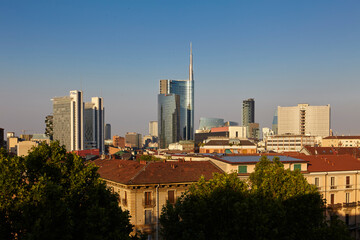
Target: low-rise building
(341,141)
(228,146)
(144,189)
(288,142)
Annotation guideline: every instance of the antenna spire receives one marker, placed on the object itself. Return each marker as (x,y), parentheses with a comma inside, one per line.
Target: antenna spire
(191,74)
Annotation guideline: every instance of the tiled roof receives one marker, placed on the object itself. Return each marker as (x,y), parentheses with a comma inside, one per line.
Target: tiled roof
(342,137)
(333,150)
(329,163)
(256,158)
(133,173)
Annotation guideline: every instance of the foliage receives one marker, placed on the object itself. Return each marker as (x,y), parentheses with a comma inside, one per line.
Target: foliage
(274,203)
(52,194)
(149,158)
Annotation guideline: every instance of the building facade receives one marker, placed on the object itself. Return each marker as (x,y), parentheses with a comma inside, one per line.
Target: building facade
(133,140)
(94,124)
(68,119)
(341,141)
(153,128)
(169,119)
(248,112)
(288,143)
(208,123)
(107,131)
(304,119)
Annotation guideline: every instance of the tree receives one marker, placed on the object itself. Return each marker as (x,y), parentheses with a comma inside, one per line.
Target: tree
(52,194)
(275,203)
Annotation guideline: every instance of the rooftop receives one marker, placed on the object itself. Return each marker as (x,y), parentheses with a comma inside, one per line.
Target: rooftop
(329,163)
(342,137)
(133,173)
(256,158)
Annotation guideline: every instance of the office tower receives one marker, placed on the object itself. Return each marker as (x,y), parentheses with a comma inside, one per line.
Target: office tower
(169,119)
(133,140)
(107,131)
(185,89)
(68,114)
(153,128)
(49,129)
(248,111)
(275,123)
(94,124)
(304,119)
(208,123)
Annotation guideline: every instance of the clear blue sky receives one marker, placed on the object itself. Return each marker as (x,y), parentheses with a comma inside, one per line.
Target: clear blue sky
(278,52)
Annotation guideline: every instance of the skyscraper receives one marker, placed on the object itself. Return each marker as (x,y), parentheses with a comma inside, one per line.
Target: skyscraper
(185,90)
(169,119)
(248,112)
(153,128)
(68,118)
(108,131)
(94,124)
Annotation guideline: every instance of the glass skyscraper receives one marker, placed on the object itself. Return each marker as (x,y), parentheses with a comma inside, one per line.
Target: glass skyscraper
(185,90)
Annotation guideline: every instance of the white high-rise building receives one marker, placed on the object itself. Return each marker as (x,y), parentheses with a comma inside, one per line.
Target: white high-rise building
(153,128)
(304,119)
(94,124)
(68,120)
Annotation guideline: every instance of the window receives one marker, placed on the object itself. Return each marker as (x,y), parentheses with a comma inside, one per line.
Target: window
(348,182)
(297,166)
(317,182)
(347,200)
(147,216)
(347,219)
(147,198)
(171,196)
(332,183)
(332,198)
(237,134)
(242,169)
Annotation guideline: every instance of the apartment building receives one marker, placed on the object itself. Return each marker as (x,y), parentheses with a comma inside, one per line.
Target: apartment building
(144,189)
(341,141)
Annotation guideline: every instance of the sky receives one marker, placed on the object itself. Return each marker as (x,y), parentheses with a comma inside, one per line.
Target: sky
(279,52)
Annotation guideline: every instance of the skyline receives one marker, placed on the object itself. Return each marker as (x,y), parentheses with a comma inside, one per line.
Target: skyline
(278,53)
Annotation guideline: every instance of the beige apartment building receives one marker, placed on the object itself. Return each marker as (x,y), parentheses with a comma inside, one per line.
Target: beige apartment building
(304,119)
(288,142)
(144,189)
(341,141)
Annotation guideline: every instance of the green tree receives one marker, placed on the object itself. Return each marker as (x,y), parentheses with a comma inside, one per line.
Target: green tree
(52,194)
(275,203)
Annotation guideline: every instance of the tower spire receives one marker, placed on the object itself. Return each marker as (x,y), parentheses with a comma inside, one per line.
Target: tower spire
(191,74)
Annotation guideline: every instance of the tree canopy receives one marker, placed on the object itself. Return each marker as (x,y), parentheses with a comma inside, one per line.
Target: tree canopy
(52,194)
(274,203)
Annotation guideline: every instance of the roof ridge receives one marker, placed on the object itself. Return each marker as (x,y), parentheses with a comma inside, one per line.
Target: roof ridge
(138,173)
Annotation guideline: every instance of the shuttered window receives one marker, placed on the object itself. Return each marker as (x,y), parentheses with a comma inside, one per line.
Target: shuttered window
(242,169)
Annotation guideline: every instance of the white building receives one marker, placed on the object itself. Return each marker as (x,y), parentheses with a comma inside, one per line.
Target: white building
(153,128)
(304,119)
(94,124)
(288,143)
(68,120)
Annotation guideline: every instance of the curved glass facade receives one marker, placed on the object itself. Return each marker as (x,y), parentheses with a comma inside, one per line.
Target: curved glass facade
(168,119)
(208,123)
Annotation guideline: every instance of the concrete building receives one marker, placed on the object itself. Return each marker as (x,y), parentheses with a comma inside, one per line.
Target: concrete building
(185,90)
(2,142)
(227,146)
(238,132)
(94,124)
(169,119)
(68,118)
(107,131)
(248,112)
(153,128)
(12,144)
(304,119)
(118,141)
(24,147)
(144,189)
(49,127)
(133,140)
(341,141)
(288,143)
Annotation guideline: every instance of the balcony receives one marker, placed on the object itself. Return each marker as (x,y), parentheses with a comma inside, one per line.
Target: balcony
(348,186)
(349,205)
(149,203)
(124,202)
(334,206)
(333,187)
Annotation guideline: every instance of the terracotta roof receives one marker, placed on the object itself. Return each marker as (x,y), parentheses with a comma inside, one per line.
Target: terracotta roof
(329,163)
(133,173)
(342,137)
(333,150)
